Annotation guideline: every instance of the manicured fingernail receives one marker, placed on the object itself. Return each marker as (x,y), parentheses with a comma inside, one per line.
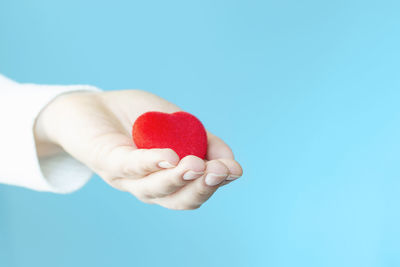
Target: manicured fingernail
(191,175)
(214,179)
(232,177)
(165,165)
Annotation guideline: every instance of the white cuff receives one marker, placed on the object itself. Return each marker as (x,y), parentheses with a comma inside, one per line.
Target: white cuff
(20,105)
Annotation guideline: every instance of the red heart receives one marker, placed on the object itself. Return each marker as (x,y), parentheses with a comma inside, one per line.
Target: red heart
(180,131)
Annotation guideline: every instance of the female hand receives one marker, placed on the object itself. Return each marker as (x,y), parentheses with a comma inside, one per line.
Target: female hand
(95,128)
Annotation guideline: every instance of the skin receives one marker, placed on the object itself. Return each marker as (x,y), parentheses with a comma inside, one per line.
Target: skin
(95,128)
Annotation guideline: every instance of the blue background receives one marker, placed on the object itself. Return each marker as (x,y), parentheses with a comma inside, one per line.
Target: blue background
(306,93)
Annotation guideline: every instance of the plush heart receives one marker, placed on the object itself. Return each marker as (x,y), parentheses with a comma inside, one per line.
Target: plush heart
(180,131)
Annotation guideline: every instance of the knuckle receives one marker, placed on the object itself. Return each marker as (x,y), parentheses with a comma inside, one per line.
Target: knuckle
(143,195)
(170,154)
(194,159)
(175,182)
(203,191)
(172,184)
(142,198)
(167,189)
(160,194)
(222,166)
(193,162)
(145,169)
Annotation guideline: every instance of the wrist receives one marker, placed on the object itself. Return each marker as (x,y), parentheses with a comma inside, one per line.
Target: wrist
(48,127)
(45,144)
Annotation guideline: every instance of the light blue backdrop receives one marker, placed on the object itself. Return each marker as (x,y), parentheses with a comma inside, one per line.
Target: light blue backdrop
(306,92)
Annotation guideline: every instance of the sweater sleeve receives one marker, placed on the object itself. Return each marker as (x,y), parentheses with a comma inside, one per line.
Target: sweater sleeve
(20,164)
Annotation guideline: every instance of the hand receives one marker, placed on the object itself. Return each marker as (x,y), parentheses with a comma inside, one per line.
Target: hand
(95,128)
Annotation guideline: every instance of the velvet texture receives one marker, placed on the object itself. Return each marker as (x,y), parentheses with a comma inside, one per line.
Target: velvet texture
(180,131)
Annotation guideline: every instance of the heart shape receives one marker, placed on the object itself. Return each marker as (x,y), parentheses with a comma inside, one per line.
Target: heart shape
(180,131)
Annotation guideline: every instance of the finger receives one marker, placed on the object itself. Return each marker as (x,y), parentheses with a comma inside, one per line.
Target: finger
(235,170)
(166,182)
(196,193)
(126,161)
(217,148)
(225,183)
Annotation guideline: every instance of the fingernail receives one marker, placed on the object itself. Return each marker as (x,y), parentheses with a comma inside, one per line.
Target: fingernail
(165,165)
(232,177)
(191,175)
(214,179)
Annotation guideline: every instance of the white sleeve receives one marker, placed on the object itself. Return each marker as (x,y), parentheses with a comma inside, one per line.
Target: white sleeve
(20,165)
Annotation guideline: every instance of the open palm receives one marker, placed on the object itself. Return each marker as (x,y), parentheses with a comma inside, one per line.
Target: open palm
(95,128)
